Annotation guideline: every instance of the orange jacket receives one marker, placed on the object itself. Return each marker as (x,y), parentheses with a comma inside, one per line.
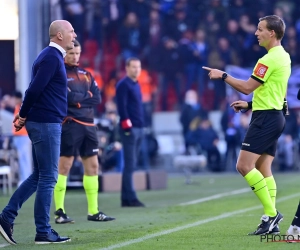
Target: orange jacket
(146,85)
(97,76)
(23,130)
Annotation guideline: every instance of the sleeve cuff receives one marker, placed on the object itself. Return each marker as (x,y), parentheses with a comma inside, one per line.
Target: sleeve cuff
(257,79)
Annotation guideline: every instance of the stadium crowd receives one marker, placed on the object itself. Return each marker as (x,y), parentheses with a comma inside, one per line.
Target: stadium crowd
(174,39)
(175,36)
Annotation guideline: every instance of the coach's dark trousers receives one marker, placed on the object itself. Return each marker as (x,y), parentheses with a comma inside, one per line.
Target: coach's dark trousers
(131,145)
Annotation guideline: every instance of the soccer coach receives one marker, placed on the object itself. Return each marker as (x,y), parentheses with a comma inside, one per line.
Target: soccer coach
(268,83)
(42,112)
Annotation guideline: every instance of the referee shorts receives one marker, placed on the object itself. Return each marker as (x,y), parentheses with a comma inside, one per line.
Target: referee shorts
(78,138)
(264,130)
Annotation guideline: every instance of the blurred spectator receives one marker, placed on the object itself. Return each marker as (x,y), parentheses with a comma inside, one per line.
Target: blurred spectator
(231,129)
(95,73)
(297,26)
(110,87)
(6,119)
(195,12)
(237,8)
(130,37)
(175,28)
(7,103)
(232,138)
(111,152)
(286,142)
(219,11)
(293,50)
(206,139)
(22,144)
(153,35)
(166,9)
(191,112)
(94,21)
(142,10)
(113,13)
(244,125)
(218,58)
(234,35)
(196,54)
(74,12)
(249,42)
(284,9)
(171,69)
(211,26)
(147,90)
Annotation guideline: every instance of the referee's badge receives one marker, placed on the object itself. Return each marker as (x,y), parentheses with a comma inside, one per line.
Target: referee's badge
(260,70)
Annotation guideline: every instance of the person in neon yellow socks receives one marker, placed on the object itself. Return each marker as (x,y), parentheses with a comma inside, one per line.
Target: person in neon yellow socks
(79,134)
(268,83)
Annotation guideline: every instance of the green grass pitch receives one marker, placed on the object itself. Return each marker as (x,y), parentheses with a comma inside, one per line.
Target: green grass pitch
(219,223)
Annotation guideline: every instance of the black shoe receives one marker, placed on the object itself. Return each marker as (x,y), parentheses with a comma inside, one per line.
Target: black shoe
(134,203)
(275,230)
(62,218)
(6,230)
(52,237)
(267,224)
(100,217)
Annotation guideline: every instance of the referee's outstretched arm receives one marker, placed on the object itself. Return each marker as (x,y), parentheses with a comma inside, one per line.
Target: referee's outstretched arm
(245,87)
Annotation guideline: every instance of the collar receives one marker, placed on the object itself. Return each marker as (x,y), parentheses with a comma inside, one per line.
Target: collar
(70,66)
(279,47)
(131,80)
(55,45)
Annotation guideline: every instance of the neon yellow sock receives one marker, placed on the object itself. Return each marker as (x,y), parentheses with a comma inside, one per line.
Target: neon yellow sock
(258,184)
(60,192)
(271,184)
(91,185)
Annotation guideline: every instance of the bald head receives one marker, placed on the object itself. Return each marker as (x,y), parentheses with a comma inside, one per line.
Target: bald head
(58,26)
(62,33)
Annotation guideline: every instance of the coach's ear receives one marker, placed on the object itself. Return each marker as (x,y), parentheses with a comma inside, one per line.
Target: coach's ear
(298,96)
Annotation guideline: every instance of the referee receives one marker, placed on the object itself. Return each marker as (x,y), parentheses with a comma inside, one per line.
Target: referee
(79,136)
(268,83)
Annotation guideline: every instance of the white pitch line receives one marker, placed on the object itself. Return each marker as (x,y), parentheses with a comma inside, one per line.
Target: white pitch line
(197,223)
(217,196)
(4,245)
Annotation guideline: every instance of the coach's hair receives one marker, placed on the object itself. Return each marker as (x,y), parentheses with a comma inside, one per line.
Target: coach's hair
(76,43)
(130,59)
(275,23)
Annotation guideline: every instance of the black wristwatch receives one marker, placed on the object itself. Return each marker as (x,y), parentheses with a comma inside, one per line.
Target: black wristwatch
(224,76)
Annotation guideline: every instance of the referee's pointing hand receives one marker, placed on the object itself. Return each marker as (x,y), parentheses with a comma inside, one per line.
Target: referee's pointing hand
(214,73)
